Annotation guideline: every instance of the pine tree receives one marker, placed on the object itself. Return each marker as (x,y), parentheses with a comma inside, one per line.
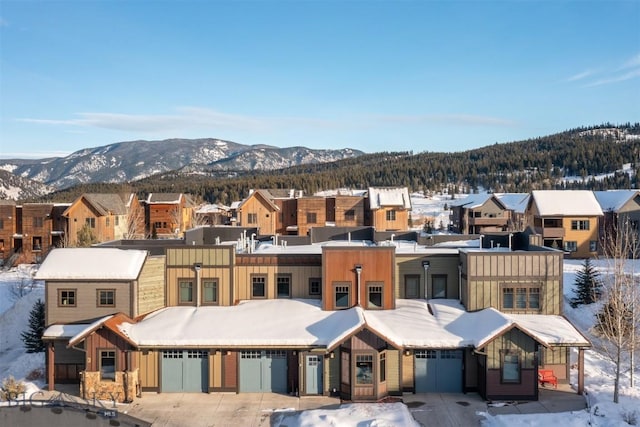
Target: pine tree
(33,337)
(588,287)
(85,237)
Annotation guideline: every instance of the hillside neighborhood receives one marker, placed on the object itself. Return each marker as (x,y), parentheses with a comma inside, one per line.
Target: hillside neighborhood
(356,295)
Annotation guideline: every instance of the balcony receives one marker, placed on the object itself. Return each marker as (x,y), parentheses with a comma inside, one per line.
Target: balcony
(550,232)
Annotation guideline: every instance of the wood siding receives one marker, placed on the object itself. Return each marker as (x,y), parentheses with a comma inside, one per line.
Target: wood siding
(151,286)
(104,339)
(311,205)
(338,266)
(393,372)
(525,390)
(79,213)
(148,361)
(407,372)
(343,204)
(440,265)
(265,213)
(484,272)
(299,279)
(380,222)
(86,307)
(8,217)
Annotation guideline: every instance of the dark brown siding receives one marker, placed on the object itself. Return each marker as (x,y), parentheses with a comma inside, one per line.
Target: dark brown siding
(230,371)
(105,339)
(526,390)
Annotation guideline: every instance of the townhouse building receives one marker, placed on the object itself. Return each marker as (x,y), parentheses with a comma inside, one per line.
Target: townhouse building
(567,220)
(359,319)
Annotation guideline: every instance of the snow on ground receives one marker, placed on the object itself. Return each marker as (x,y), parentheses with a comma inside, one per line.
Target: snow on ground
(14,316)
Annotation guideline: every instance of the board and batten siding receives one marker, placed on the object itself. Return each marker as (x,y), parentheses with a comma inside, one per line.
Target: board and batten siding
(148,361)
(214,262)
(300,276)
(442,265)
(151,286)
(393,372)
(485,272)
(86,307)
(407,372)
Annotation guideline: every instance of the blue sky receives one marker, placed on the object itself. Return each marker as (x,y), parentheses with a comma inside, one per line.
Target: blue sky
(370,75)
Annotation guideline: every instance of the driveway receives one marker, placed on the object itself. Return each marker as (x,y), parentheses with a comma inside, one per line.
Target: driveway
(262,409)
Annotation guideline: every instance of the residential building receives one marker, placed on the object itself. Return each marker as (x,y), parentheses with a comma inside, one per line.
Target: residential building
(621,210)
(8,229)
(389,208)
(168,215)
(352,318)
(566,220)
(107,216)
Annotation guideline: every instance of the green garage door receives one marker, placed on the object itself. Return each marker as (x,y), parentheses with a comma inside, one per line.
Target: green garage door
(263,371)
(438,371)
(185,371)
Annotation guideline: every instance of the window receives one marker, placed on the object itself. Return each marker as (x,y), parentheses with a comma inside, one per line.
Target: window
(186,291)
(391,215)
(593,246)
(106,297)
(38,221)
(374,295)
(412,286)
(570,246)
(580,224)
(91,222)
(315,286)
(350,215)
(157,225)
(364,369)
(439,286)
(36,243)
(117,221)
(521,298)
(210,291)
(1,223)
(312,218)
(342,294)
(107,221)
(509,366)
(383,367)
(283,286)
(107,365)
(477,214)
(252,218)
(67,297)
(258,287)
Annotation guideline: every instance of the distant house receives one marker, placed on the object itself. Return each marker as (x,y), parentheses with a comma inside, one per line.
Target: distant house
(516,204)
(389,208)
(566,219)
(8,229)
(108,216)
(621,208)
(213,214)
(479,213)
(258,210)
(168,214)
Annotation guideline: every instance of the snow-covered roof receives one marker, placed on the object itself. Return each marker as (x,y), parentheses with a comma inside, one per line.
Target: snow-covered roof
(472,200)
(516,202)
(294,322)
(383,196)
(164,198)
(64,331)
(566,203)
(274,322)
(92,264)
(614,200)
(212,208)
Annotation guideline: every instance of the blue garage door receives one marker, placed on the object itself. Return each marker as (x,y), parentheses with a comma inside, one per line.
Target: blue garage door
(438,371)
(263,371)
(184,371)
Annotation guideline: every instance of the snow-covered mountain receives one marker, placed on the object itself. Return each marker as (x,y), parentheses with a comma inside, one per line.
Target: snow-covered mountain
(16,187)
(133,160)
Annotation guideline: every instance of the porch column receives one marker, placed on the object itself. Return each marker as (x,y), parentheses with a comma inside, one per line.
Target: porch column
(580,371)
(51,354)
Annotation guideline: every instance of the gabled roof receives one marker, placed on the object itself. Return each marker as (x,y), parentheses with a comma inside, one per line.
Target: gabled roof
(264,195)
(516,202)
(473,201)
(380,197)
(92,264)
(103,203)
(614,200)
(164,198)
(111,322)
(436,324)
(566,203)
(212,208)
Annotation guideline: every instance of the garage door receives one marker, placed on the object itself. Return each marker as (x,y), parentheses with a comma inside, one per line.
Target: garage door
(263,371)
(438,371)
(185,371)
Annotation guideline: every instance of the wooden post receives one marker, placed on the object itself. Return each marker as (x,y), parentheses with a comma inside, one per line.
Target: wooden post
(580,371)
(51,366)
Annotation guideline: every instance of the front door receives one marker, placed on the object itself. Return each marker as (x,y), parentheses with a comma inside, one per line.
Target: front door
(313,380)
